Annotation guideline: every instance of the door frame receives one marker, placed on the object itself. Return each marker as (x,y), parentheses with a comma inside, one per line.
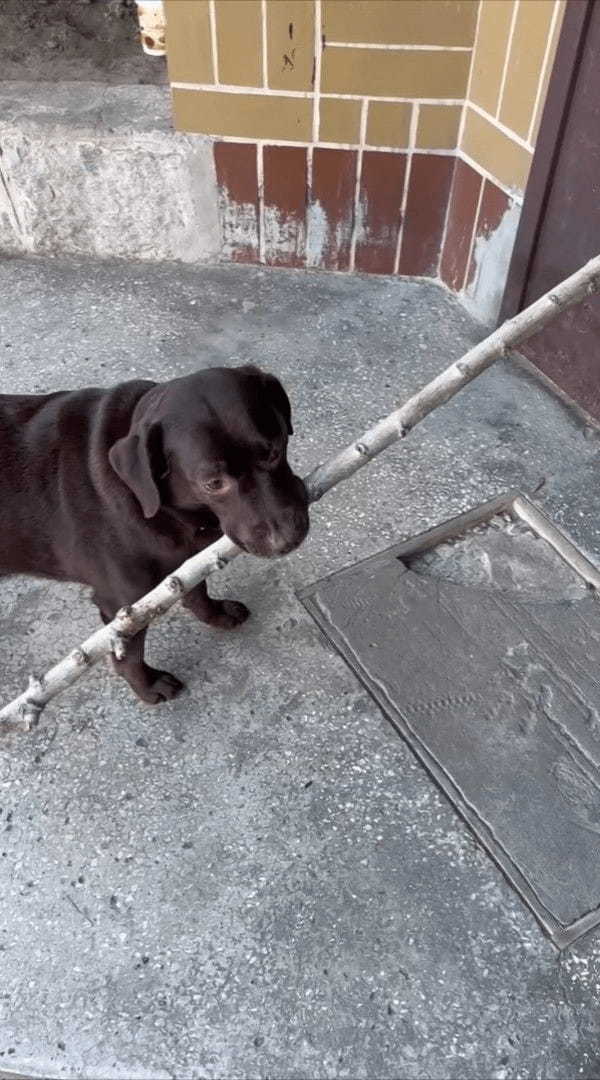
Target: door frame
(555,116)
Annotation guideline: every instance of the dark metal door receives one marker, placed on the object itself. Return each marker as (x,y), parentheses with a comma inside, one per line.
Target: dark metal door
(560,223)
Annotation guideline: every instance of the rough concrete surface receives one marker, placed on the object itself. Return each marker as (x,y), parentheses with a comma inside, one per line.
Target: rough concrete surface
(102,173)
(258,880)
(75,40)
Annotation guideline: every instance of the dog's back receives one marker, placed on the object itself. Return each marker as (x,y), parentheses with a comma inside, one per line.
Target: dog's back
(27,469)
(48,497)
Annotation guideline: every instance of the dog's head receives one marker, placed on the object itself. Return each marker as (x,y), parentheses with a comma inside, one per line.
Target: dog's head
(217,441)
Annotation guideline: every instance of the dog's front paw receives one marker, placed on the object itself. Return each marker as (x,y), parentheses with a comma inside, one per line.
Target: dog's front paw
(158,686)
(228,614)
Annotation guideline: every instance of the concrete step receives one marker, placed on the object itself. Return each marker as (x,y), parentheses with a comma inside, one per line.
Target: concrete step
(91,169)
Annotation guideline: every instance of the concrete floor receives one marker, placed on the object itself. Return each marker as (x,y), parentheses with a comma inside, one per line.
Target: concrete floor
(258,880)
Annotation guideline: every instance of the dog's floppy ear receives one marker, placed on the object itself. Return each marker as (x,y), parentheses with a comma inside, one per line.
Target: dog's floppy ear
(279,399)
(136,459)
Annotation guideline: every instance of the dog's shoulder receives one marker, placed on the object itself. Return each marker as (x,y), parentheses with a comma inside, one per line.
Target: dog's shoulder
(112,412)
(19,410)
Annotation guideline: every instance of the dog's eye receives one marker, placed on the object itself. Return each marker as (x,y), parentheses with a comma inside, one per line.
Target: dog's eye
(216,484)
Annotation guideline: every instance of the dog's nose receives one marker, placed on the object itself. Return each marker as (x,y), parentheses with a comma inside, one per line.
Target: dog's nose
(276,537)
(262,539)
(268,540)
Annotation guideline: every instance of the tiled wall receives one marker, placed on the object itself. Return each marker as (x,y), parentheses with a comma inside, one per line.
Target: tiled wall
(515,44)
(363,134)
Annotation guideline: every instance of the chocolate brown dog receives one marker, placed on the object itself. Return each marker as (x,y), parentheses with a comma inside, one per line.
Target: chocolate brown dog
(115,488)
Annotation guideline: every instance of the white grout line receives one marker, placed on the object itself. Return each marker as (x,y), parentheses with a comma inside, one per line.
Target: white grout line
(463,114)
(438,272)
(260,174)
(362,137)
(473,236)
(516,196)
(224,88)
(511,33)
(246,139)
(412,139)
(317,83)
(265,55)
(416,149)
(396,100)
(446,223)
(364,122)
(397,48)
(309,173)
(544,68)
(212,14)
(414,124)
(323,145)
(510,134)
(316,118)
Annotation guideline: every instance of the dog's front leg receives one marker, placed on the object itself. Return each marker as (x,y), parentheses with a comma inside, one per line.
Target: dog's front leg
(150,684)
(223,614)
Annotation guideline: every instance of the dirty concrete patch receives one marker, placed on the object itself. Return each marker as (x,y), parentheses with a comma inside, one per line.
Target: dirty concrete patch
(493,248)
(73,41)
(504,556)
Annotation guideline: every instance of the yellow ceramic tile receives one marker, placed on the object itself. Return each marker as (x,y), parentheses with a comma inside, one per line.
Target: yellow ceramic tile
(248,116)
(388,123)
(291,44)
(437,127)
(548,71)
(339,120)
(401,22)
(239,42)
(532,28)
(189,52)
(490,53)
(382,73)
(504,159)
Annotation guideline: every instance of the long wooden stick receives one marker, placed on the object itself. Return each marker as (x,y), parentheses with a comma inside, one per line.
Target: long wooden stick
(24,711)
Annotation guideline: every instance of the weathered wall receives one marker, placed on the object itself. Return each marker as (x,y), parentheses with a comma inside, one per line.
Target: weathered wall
(383,136)
(337,123)
(100,172)
(515,44)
